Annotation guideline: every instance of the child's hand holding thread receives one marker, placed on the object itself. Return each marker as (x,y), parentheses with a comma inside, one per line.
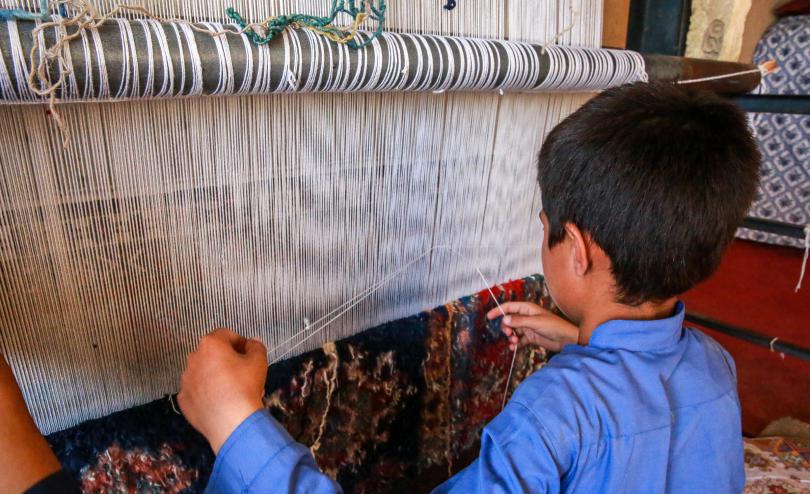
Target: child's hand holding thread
(528,323)
(223,384)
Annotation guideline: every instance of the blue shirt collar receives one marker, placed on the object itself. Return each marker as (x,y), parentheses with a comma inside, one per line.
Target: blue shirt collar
(640,336)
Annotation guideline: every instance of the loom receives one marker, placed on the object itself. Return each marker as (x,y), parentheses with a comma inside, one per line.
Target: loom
(158,220)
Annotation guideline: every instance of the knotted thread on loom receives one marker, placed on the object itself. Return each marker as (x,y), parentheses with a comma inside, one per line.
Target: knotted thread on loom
(83,15)
(268,29)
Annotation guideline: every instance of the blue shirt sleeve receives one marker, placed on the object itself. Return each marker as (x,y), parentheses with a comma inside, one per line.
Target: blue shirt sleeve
(517,455)
(260,456)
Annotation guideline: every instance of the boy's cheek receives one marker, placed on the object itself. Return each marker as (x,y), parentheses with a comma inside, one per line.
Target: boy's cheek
(550,279)
(555,282)
(559,300)
(552,291)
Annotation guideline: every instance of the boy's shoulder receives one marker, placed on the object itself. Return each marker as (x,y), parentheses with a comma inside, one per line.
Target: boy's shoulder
(627,392)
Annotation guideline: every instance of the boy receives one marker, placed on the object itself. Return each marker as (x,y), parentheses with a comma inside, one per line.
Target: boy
(643,188)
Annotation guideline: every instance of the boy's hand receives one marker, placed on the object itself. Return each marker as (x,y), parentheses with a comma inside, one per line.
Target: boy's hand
(223,384)
(526,322)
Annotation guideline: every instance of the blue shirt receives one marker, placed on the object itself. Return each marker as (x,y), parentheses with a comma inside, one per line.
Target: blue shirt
(647,406)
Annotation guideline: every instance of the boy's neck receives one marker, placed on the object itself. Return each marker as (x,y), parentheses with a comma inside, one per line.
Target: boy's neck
(610,311)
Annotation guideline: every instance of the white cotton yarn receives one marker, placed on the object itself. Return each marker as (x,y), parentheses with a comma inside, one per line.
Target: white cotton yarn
(165,218)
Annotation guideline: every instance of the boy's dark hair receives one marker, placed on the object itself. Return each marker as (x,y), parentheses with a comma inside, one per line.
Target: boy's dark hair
(660,177)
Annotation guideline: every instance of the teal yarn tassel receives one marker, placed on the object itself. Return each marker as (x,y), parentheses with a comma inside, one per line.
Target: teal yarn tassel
(323,25)
(24,15)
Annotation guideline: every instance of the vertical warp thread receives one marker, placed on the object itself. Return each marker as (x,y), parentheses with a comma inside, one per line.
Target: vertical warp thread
(165,218)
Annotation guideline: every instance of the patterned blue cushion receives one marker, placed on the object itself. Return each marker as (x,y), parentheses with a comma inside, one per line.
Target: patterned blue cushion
(784,193)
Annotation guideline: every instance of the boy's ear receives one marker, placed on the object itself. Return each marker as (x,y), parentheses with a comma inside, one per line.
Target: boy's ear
(580,253)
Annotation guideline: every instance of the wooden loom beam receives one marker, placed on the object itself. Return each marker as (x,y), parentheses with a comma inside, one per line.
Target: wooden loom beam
(301,61)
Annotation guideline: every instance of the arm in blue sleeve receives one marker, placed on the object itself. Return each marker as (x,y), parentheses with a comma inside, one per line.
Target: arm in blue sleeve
(260,456)
(516,455)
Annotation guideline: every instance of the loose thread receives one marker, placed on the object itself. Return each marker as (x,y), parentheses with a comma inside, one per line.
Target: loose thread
(772,343)
(340,310)
(356,299)
(763,69)
(560,34)
(804,259)
(509,378)
(171,401)
(86,17)
(330,349)
(514,353)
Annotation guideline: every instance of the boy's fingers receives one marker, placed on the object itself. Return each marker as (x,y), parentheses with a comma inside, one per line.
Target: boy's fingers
(254,346)
(493,313)
(230,336)
(541,341)
(536,323)
(255,349)
(522,308)
(225,334)
(510,331)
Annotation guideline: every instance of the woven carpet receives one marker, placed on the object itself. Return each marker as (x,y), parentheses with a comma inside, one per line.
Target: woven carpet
(410,400)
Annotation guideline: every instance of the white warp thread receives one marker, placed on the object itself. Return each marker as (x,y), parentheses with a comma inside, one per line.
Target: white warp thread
(164,219)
